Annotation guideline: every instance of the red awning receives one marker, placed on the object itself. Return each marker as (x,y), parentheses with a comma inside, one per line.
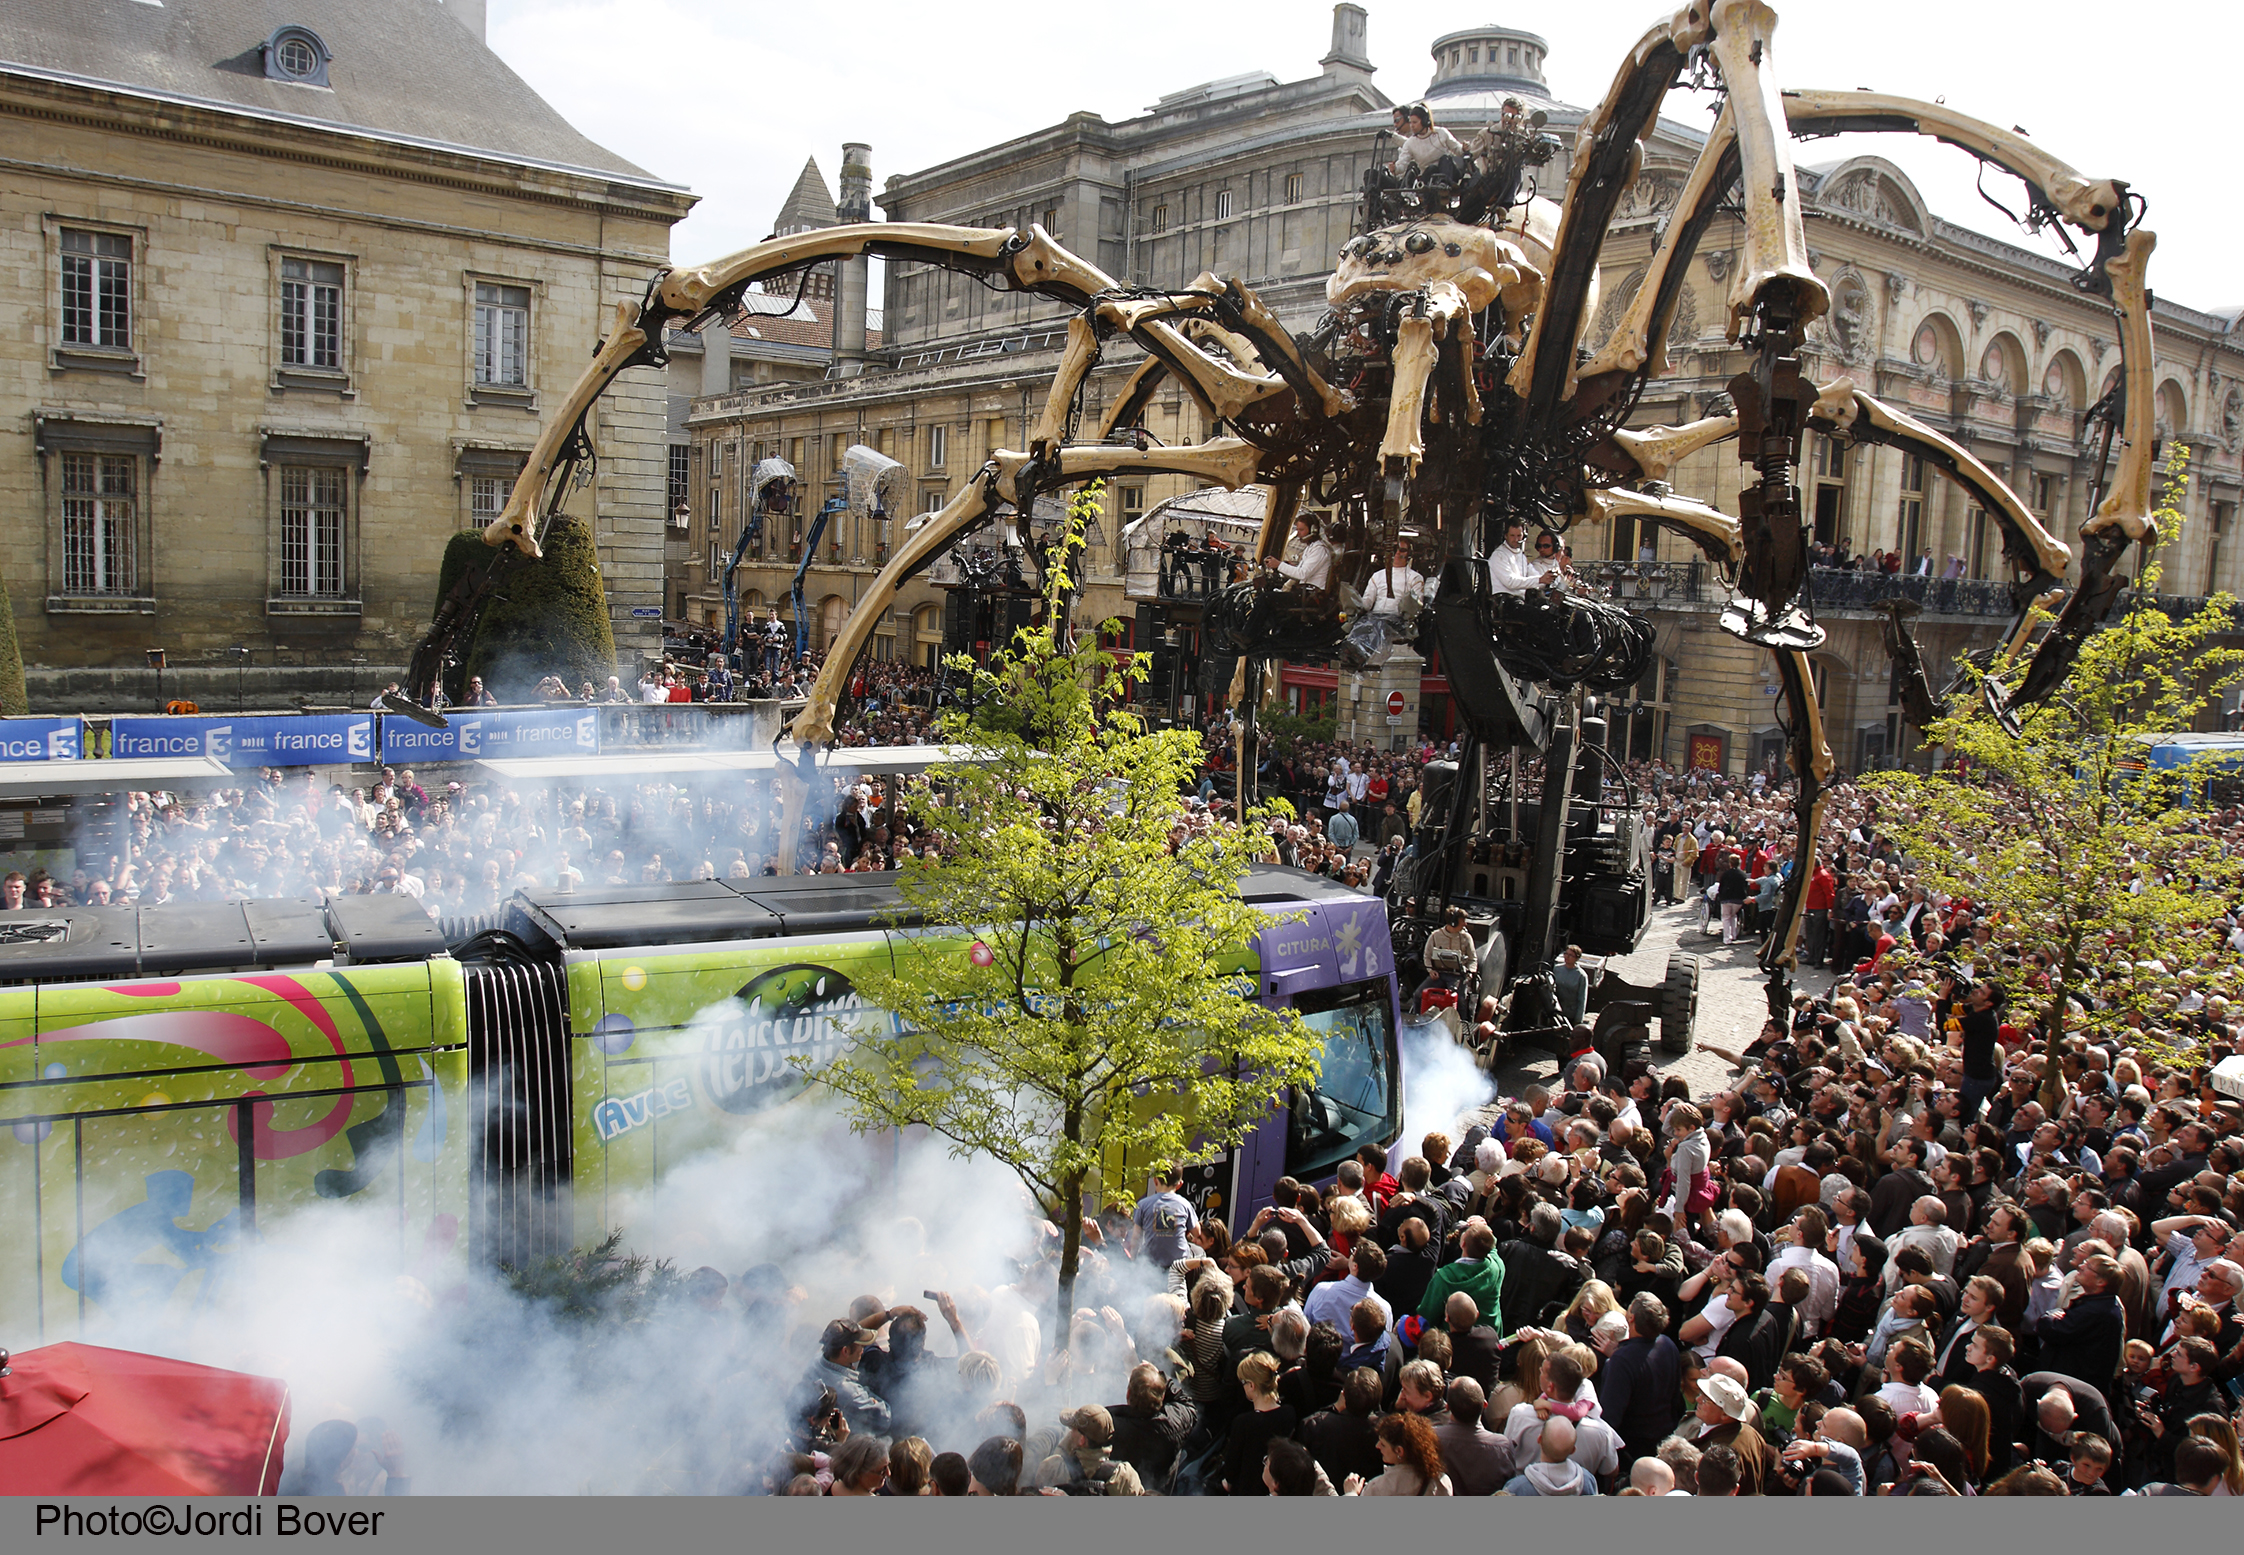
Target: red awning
(78,1420)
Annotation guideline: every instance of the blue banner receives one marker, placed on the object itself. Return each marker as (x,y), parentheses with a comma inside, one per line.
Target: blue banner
(317,740)
(474,736)
(39,739)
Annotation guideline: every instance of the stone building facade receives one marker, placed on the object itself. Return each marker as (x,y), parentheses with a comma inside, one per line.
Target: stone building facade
(1984,339)
(293,303)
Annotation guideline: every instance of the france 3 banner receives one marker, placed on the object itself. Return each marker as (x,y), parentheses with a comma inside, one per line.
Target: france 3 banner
(40,739)
(477,736)
(313,740)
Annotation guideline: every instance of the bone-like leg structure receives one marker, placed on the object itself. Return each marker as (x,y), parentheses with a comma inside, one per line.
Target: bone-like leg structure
(1223,461)
(1656,451)
(1775,260)
(1812,767)
(1710,529)
(1608,150)
(1444,312)
(1841,407)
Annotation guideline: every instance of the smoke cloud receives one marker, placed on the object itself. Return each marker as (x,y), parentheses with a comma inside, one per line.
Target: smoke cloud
(485,1391)
(1441,1084)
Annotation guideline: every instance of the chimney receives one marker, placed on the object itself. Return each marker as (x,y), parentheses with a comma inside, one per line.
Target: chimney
(716,358)
(469,14)
(1349,55)
(855,204)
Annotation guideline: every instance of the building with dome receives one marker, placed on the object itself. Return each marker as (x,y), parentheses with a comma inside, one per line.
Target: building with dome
(1259,178)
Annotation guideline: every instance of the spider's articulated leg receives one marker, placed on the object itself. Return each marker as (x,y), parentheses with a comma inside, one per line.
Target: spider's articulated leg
(2040,557)
(1440,312)
(1812,767)
(1222,389)
(1224,461)
(2123,518)
(1710,529)
(1608,151)
(1654,452)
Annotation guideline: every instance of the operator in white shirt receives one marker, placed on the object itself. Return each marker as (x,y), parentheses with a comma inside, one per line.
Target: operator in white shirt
(1423,144)
(1314,571)
(1394,583)
(1511,570)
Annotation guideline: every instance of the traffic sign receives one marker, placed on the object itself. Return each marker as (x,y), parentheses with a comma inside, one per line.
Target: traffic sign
(646,612)
(1395,704)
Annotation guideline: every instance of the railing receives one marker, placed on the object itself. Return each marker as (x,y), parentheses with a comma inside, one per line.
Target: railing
(1649,582)
(1839,588)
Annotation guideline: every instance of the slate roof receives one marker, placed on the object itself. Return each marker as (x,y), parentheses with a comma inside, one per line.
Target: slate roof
(403,70)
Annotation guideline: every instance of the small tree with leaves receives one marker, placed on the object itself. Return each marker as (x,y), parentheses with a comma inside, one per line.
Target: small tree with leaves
(2062,833)
(1080,995)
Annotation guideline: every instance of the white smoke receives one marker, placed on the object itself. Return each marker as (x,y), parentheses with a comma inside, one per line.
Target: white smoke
(1441,1085)
(490,1393)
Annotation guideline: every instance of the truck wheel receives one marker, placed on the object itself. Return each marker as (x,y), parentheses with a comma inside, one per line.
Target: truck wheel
(1679,1003)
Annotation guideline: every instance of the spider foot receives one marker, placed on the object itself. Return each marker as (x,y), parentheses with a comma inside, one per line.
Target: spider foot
(1791,628)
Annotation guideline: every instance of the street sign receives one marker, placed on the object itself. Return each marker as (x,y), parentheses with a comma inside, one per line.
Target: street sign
(1395,704)
(1394,720)
(646,612)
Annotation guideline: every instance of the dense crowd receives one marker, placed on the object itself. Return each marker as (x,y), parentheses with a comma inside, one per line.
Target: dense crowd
(1847,1276)
(1903,1252)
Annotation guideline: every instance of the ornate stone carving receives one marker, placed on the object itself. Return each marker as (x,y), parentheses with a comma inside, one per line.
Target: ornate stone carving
(2232,418)
(1718,262)
(1850,317)
(1648,196)
(2041,333)
(2097,348)
(1897,287)
(1684,332)
(1978,314)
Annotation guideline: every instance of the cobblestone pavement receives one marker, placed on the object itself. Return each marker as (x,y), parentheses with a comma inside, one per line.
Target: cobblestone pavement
(1732,1004)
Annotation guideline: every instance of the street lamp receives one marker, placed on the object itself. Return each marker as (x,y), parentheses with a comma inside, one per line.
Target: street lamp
(156,663)
(241,675)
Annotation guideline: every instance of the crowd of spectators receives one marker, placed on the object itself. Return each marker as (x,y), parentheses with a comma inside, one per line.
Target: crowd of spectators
(1845,1276)
(1904,1251)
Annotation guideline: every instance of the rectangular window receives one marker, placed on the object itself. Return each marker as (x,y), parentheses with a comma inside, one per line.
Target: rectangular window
(502,335)
(97,523)
(1223,203)
(938,446)
(311,321)
(2045,495)
(486,497)
(996,433)
(1133,503)
(312,512)
(1912,515)
(716,509)
(1293,188)
(681,475)
(1160,218)
(1052,220)
(96,289)
(934,499)
(2220,516)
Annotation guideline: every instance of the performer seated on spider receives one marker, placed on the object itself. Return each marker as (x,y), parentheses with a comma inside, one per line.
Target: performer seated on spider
(1312,573)
(1425,147)
(1512,573)
(1397,590)
(1452,939)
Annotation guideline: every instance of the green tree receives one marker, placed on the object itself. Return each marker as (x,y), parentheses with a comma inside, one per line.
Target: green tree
(2061,832)
(550,617)
(1079,1000)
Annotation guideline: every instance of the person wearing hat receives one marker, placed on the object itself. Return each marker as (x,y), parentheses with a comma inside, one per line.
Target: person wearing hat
(1089,1450)
(840,1347)
(1724,1409)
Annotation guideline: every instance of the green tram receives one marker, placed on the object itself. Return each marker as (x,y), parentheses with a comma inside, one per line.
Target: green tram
(174,1078)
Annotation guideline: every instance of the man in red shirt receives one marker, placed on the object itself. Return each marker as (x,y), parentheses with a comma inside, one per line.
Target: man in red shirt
(1815,928)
